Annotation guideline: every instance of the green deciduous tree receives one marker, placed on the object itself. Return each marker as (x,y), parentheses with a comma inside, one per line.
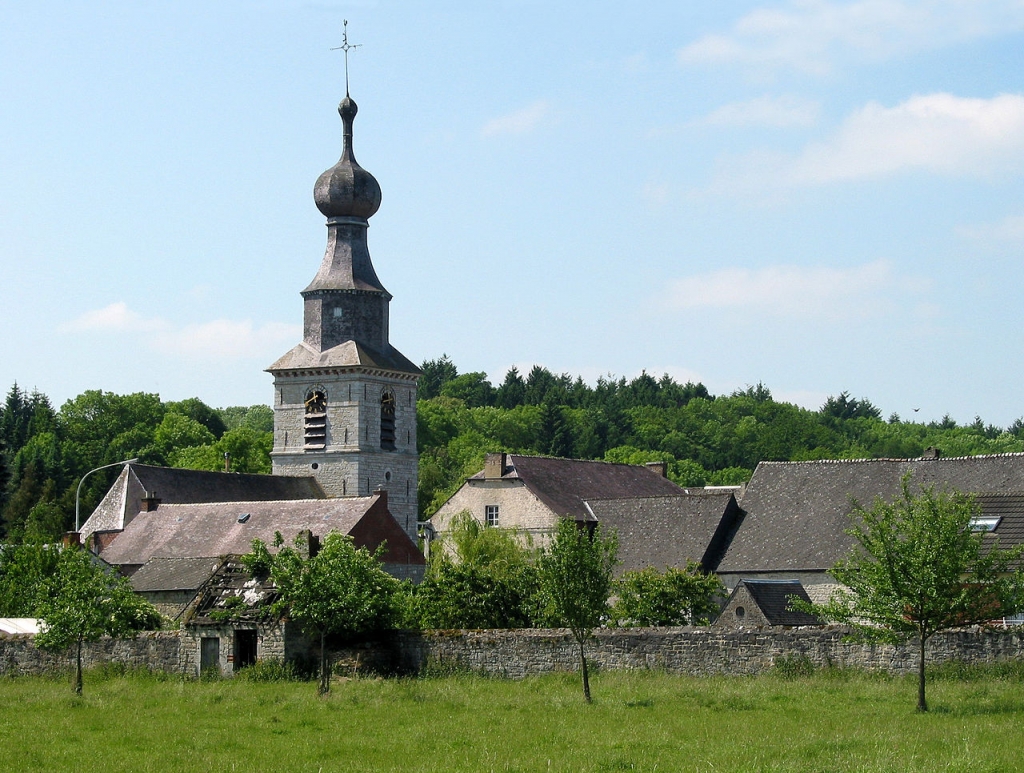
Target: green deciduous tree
(82,601)
(479,577)
(918,568)
(576,578)
(24,569)
(673,597)
(340,591)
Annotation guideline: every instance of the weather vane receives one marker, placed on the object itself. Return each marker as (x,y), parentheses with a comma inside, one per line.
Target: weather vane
(346,47)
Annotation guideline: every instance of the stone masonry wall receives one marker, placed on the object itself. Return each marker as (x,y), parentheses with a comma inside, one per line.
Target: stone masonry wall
(520,653)
(696,650)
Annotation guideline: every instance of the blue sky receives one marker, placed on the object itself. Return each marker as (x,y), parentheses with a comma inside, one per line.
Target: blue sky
(820,196)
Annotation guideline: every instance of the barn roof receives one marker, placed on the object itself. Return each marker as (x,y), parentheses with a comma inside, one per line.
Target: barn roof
(795,513)
(664,532)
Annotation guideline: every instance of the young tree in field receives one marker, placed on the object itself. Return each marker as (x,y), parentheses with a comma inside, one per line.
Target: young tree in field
(918,568)
(673,597)
(82,601)
(341,591)
(576,577)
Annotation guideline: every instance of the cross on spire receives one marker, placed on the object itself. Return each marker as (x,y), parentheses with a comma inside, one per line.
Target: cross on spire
(346,47)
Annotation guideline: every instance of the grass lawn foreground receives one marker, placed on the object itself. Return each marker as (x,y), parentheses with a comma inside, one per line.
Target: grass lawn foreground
(643,721)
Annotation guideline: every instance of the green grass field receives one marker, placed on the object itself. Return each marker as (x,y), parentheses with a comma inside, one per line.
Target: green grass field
(827,721)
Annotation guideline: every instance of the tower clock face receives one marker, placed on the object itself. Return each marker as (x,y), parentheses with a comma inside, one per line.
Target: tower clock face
(387,403)
(316,400)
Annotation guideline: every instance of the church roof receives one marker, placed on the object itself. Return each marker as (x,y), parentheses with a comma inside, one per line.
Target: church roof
(348,354)
(174,486)
(224,528)
(796,513)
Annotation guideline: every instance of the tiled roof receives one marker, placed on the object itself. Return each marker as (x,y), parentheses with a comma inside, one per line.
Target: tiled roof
(168,574)
(795,513)
(772,597)
(219,529)
(349,354)
(564,484)
(174,486)
(667,532)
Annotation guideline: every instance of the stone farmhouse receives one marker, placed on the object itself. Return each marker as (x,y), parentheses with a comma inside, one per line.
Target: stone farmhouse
(659,523)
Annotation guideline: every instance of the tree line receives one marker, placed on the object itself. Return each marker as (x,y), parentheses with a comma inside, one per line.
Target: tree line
(44,452)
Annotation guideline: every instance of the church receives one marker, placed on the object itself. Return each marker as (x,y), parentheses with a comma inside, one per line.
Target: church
(344,454)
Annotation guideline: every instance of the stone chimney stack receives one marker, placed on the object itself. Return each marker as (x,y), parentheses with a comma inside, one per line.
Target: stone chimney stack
(661,468)
(149,502)
(494,465)
(931,453)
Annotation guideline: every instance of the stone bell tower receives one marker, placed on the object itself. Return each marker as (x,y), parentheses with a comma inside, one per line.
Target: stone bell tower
(344,398)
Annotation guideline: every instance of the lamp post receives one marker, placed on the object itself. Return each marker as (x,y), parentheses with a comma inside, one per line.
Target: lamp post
(96,469)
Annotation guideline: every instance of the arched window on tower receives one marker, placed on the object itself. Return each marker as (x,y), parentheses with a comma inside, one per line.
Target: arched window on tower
(315,420)
(387,420)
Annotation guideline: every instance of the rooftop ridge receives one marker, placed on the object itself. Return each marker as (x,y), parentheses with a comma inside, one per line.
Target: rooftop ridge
(941,459)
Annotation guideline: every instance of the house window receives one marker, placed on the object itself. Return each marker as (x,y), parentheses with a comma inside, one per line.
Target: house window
(387,420)
(491,515)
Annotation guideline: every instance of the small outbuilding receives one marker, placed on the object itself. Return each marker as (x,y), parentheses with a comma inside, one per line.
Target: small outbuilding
(760,603)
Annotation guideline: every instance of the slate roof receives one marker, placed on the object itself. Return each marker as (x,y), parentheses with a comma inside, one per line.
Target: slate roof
(220,529)
(772,597)
(348,354)
(795,513)
(171,574)
(565,484)
(176,486)
(667,532)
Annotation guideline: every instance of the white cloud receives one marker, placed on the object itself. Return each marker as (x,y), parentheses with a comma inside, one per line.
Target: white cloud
(939,133)
(790,291)
(1009,229)
(520,121)
(773,112)
(116,317)
(218,339)
(808,35)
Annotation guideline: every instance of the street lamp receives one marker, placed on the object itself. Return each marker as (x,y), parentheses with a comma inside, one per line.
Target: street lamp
(103,467)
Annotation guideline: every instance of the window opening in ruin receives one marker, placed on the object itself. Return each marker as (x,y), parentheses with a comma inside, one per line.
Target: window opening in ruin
(245,648)
(387,420)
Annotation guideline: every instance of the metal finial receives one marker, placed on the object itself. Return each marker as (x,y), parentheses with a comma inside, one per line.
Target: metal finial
(346,47)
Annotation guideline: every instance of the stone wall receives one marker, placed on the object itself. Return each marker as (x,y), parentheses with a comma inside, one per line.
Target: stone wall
(517,654)
(697,650)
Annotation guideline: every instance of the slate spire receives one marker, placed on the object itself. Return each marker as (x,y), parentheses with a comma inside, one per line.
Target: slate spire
(348,196)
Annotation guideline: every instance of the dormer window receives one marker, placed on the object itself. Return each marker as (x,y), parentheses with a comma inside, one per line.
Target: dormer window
(387,420)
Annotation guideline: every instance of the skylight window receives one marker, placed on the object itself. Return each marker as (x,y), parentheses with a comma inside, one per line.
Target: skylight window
(985,523)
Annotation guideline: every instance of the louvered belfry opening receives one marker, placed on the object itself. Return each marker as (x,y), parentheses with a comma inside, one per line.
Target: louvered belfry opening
(315,423)
(387,420)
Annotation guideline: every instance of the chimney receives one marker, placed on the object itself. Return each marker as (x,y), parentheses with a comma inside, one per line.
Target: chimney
(494,465)
(661,468)
(308,544)
(382,494)
(149,502)
(227,462)
(72,539)
(931,452)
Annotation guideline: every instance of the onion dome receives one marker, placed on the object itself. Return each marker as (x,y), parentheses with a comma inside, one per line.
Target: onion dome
(346,189)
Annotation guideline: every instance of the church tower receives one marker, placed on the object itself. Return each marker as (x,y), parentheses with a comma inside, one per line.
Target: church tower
(344,398)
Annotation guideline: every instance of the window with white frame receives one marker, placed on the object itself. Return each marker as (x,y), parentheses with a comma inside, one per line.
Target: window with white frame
(491,515)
